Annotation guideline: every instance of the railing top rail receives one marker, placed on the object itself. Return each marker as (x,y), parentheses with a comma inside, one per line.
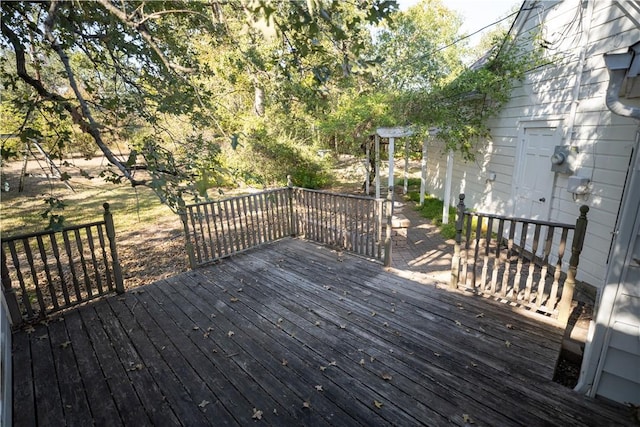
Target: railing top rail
(50,232)
(209,202)
(529,221)
(350,196)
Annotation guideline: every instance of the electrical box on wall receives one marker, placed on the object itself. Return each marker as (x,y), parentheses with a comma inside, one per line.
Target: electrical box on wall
(578,185)
(563,159)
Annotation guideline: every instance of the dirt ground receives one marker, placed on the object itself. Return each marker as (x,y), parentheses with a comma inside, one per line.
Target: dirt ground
(150,252)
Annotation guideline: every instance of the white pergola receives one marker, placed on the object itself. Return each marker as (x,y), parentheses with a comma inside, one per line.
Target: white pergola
(402,132)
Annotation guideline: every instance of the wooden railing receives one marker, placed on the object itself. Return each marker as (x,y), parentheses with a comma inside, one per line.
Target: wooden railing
(218,229)
(49,271)
(348,222)
(519,260)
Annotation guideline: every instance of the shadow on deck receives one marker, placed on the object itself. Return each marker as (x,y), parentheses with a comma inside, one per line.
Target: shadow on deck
(295,334)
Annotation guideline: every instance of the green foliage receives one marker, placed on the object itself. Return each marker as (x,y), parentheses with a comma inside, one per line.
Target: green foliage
(432,210)
(172,82)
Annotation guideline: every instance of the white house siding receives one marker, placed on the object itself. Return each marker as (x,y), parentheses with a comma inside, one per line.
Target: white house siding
(604,140)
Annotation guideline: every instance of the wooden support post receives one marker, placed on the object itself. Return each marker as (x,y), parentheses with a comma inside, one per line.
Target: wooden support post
(423,171)
(187,236)
(447,188)
(9,293)
(367,167)
(564,307)
(377,148)
(387,240)
(455,261)
(405,187)
(111,235)
(293,221)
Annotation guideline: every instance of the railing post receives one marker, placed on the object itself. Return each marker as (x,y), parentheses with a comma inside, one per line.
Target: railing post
(564,307)
(293,221)
(187,236)
(111,235)
(9,293)
(387,240)
(455,261)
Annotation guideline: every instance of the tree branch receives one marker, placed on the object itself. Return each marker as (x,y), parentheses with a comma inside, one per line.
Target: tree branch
(139,26)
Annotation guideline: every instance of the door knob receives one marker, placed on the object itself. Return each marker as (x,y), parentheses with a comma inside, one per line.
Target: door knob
(542,199)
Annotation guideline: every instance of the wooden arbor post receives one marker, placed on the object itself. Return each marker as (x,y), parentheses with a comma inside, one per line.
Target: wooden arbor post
(455,261)
(111,235)
(564,307)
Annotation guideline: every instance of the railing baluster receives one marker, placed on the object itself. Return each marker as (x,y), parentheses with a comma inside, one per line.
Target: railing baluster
(94,261)
(63,282)
(518,276)
(9,293)
(485,264)
(26,301)
(542,284)
(47,272)
(553,296)
(507,266)
(74,277)
(105,261)
(34,276)
(532,264)
(83,264)
(497,262)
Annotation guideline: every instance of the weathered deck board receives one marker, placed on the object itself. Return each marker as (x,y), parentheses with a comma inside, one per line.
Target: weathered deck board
(304,335)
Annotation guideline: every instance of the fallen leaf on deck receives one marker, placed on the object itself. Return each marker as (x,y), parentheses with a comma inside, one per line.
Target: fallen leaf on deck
(372,359)
(234,299)
(362,362)
(230,334)
(29,329)
(317,323)
(479,315)
(323,368)
(343,326)
(195,328)
(377,404)
(280,320)
(203,403)
(205,335)
(240,289)
(43,337)
(386,376)
(306,404)
(467,419)
(327,287)
(507,344)
(474,364)
(373,313)
(136,367)
(285,362)
(458,323)
(436,354)
(65,344)
(319,388)
(209,329)
(509,326)
(257,414)
(333,363)
(386,324)
(393,310)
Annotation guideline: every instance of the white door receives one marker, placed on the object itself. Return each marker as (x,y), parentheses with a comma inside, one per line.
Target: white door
(533,188)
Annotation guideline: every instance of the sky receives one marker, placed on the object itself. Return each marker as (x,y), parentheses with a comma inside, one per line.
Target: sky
(476,13)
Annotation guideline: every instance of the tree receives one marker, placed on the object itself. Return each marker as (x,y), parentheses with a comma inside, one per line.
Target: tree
(127,70)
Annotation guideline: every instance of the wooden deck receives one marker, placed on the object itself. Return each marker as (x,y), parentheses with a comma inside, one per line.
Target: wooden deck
(294,334)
